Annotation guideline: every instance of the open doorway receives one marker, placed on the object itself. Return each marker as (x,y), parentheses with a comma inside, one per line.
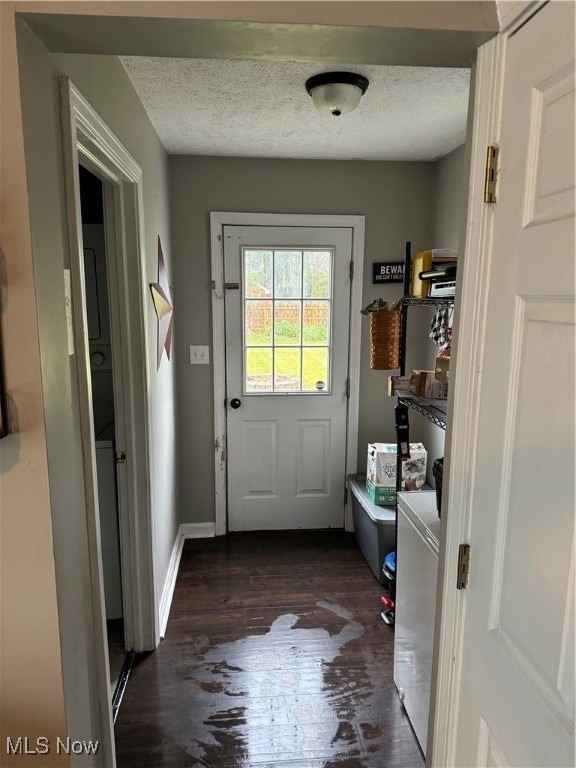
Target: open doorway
(103,411)
(120,418)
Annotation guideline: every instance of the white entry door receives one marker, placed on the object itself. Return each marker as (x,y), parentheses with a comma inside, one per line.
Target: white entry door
(287,307)
(515,700)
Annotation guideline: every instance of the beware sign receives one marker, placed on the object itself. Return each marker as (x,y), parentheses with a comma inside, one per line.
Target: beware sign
(388,272)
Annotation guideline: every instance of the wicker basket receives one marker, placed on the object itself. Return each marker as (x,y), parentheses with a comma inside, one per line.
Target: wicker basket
(385,338)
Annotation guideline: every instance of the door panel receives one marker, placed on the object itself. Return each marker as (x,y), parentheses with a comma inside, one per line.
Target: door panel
(516,698)
(260,447)
(312,457)
(287,331)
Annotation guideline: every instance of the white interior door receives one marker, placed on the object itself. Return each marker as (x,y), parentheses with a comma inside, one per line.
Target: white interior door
(287,310)
(515,696)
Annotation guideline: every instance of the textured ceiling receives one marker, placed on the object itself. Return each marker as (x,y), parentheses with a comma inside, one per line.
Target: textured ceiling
(261,109)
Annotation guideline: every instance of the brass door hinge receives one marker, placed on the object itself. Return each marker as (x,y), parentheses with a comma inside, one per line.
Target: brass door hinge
(351,270)
(463,566)
(347,387)
(492,155)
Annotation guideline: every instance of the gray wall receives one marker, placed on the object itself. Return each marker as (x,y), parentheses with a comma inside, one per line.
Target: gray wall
(449,203)
(397,201)
(449,198)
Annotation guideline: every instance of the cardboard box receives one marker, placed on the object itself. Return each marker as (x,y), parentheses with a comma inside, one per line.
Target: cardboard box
(425,384)
(381,472)
(442,371)
(419,384)
(398,385)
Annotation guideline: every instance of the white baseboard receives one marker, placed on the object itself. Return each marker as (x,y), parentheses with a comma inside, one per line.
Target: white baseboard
(186,531)
(198,530)
(170,583)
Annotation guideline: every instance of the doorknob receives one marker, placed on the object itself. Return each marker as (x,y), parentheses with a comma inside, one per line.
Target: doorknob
(235,403)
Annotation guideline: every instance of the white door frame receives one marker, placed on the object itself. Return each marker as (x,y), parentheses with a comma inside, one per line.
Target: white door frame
(87,140)
(462,428)
(218,220)
(464,398)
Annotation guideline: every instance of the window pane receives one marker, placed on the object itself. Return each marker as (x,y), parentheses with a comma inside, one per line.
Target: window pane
(287,319)
(316,323)
(287,323)
(258,370)
(317,269)
(258,273)
(287,274)
(287,369)
(259,323)
(315,369)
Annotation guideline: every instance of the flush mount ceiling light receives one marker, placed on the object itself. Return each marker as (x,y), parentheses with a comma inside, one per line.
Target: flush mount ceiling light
(336,92)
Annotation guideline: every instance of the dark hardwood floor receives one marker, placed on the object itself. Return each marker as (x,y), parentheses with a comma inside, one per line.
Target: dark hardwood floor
(275,656)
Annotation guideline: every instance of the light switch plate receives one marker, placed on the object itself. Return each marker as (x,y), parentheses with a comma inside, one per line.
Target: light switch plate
(199,355)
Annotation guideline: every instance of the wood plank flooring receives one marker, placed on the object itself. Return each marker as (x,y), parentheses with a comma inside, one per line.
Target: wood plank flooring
(275,656)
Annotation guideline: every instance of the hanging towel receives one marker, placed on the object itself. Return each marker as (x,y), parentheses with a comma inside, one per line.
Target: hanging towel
(441,328)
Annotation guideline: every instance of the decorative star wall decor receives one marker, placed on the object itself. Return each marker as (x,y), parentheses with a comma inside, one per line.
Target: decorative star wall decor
(162,298)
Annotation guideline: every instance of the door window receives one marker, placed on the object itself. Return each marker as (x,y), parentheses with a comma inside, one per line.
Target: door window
(287,320)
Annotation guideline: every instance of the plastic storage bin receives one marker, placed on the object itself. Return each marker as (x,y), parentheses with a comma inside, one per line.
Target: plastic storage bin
(373,526)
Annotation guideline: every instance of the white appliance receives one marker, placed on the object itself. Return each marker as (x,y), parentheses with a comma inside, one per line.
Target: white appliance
(109,533)
(416,578)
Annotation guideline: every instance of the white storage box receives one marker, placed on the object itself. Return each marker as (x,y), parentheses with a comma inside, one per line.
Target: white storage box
(374,527)
(381,472)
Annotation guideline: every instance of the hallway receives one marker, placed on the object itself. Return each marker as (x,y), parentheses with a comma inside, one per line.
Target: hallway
(275,656)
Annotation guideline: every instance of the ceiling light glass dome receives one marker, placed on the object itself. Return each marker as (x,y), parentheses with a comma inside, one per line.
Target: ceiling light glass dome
(336,92)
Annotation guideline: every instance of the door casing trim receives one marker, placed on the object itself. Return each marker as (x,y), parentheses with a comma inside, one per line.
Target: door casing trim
(463,402)
(220,219)
(90,141)
(87,140)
